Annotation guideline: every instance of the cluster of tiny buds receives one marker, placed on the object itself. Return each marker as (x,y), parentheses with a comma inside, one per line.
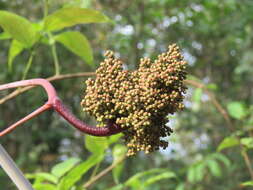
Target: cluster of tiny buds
(138,101)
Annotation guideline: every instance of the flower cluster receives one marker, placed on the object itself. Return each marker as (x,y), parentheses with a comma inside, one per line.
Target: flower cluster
(138,101)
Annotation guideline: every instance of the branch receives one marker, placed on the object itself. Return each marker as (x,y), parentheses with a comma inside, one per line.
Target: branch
(214,101)
(55,103)
(53,78)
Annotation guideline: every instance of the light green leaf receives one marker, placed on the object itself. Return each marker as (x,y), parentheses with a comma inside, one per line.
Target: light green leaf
(221,158)
(76,173)
(15,49)
(96,145)
(214,168)
(76,43)
(181,186)
(134,180)
(4,36)
(61,169)
(118,153)
(114,138)
(18,27)
(228,142)
(247,141)
(247,183)
(117,187)
(71,16)
(44,187)
(43,177)
(191,174)
(78,3)
(199,171)
(236,110)
(156,178)
(212,86)
(197,95)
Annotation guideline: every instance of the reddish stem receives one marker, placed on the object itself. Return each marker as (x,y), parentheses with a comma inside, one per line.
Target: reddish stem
(55,103)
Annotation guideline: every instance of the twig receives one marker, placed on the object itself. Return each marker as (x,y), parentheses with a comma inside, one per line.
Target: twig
(225,115)
(214,101)
(53,78)
(104,172)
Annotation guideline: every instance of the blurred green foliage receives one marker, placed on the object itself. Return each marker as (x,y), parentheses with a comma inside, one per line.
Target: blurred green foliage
(43,38)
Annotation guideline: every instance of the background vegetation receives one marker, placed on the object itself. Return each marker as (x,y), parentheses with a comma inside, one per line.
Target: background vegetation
(211,147)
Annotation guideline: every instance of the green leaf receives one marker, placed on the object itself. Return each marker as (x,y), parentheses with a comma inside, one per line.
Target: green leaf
(61,169)
(236,110)
(134,180)
(247,183)
(247,141)
(78,3)
(76,174)
(71,16)
(18,27)
(43,177)
(228,142)
(118,153)
(44,186)
(96,145)
(197,95)
(191,174)
(222,158)
(76,43)
(199,171)
(212,86)
(114,138)
(181,186)
(214,168)
(117,187)
(156,178)
(4,36)
(15,49)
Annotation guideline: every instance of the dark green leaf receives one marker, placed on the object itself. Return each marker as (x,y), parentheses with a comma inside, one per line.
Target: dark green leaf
(76,43)
(18,27)
(15,49)
(62,168)
(71,16)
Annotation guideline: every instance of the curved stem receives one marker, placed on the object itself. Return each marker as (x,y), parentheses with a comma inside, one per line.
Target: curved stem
(110,129)
(55,103)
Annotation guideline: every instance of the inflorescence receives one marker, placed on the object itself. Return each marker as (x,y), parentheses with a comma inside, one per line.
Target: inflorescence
(138,101)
